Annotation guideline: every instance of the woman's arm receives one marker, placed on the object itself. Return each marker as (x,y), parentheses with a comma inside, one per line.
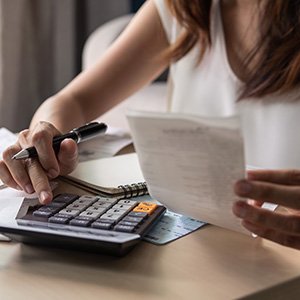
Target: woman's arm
(134,60)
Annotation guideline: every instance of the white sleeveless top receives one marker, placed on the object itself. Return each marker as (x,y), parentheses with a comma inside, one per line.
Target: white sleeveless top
(270,126)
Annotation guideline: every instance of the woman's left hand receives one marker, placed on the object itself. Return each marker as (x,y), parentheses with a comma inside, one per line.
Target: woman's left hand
(281,187)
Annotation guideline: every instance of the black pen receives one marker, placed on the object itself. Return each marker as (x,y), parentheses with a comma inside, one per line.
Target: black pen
(79,135)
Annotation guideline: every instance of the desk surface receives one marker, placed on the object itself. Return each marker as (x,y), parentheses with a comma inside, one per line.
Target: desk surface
(211,263)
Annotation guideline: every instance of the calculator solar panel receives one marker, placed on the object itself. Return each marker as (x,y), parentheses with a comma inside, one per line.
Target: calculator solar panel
(92,223)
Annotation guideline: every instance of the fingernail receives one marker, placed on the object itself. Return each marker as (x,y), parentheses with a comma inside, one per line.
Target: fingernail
(52,173)
(29,188)
(251,202)
(243,187)
(44,197)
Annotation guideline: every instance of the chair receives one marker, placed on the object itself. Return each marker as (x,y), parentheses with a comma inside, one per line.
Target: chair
(152,97)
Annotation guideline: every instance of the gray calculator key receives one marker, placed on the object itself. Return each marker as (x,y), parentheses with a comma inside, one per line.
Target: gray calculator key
(108,200)
(91,214)
(85,218)
(58,220)
(70,212)
(105,221)
(123,206)
(80,222)
(56,204)
(89,197)
(84,201)
(101,225)
(128,223)
(117,211)
(124,228)
(78,206)
(112,217)
(41,213)
(102,204)
(136,220)
(128,202)
(48,208)
(65,198)
(96,209)
(138,214)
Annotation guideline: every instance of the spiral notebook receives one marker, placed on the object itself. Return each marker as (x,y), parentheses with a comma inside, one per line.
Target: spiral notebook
(119,176)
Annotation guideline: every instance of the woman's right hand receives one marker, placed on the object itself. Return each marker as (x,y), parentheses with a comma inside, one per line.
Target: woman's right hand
(33,174)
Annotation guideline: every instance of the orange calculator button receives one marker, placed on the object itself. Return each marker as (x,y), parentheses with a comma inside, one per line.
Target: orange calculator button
(146,207)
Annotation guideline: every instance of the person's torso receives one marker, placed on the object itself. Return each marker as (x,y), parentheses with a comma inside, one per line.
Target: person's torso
(269,125)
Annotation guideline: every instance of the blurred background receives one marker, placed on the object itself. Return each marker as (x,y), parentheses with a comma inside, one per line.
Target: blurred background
(41,43)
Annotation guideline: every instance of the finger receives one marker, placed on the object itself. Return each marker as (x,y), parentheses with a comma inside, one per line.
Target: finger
(39,180)
(42,139)
(6,177)
(287,223)
(16,169)
(273,235)
(268,192)
(23,135)
(68,156)
(287,177)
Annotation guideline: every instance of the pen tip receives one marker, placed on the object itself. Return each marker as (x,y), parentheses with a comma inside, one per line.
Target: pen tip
(23,154)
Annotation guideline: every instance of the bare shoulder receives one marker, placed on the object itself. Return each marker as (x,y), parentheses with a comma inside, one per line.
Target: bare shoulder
(147,27)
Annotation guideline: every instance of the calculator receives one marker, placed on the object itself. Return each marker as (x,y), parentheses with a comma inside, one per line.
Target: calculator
(94,223)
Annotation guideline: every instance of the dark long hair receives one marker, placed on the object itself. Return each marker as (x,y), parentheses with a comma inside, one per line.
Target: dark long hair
(277,68)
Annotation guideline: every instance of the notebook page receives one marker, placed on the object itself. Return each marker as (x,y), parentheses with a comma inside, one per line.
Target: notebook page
(109,173)
(190,164)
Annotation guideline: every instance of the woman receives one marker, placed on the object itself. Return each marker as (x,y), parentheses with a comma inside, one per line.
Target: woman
(225,57)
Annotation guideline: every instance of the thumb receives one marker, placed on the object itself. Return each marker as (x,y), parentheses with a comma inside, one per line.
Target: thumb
(67,156)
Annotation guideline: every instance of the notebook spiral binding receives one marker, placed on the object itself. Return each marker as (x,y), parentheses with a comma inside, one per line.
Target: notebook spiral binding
(134,190)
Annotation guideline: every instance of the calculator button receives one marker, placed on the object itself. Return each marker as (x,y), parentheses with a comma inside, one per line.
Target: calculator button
(124,228)
(96,209)
(58,220)
(101,225)
(91,214)
(112,217)
(117,211)
(105,221)
(59,215)
(41,213)
(89,198)
(102,204)
(108,200)
(55,204)
(123,206)
(147,207)
(138,214)
(80,222)
(48,208)
(70,212)
(85,218)
(128,223)
(128,202)
(77,206)
(65,198)
(136,220)
(86,202)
